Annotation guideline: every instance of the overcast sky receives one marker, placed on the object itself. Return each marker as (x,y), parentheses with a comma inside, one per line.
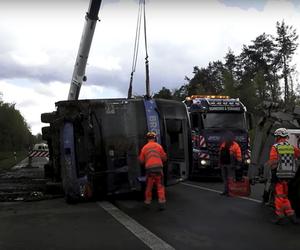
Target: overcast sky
(40,39)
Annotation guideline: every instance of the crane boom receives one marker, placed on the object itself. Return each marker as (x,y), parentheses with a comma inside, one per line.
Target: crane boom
(78,77)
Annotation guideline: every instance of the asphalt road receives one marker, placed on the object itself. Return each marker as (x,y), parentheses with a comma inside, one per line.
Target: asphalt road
(196,218)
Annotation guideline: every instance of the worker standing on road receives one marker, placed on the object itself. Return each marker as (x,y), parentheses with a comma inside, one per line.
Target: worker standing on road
(230,158)
(282,162)
(153,156)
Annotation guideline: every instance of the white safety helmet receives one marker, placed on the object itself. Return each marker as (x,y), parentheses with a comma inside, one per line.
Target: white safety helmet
(281,132)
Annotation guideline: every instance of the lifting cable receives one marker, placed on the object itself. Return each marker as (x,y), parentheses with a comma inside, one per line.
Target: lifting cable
(141,11)
(147,56)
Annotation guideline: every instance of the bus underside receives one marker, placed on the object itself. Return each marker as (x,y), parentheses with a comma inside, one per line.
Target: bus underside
(94,144)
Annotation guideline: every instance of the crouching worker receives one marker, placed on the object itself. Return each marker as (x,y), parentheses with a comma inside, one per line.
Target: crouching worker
(282,162)
(153,156)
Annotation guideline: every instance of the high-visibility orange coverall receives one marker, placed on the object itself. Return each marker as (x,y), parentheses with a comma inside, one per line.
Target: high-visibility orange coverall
(153,156)
(228,168)
(282,203)
(234,150)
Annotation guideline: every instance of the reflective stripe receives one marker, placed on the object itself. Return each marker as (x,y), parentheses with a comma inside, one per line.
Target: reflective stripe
(290,212)
(203,156)
(149,155)
(154,157)
(202,142)
(281,195)
(154,169)
(152,153)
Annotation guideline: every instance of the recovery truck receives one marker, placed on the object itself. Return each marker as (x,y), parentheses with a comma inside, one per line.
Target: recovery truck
(211,117)
(94,144)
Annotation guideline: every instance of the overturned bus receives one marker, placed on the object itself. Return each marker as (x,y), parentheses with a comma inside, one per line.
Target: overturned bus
(94,144)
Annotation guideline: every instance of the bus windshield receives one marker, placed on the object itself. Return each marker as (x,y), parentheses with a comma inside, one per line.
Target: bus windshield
(224,120)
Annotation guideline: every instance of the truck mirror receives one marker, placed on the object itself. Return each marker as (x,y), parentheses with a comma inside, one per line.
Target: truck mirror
(249,118)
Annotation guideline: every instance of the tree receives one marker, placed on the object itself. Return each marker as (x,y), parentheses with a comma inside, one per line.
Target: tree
(207,80)
(260,85)
(38,138)
(15,133)
(260,65)
(231,63)
(195,84)
(164,93)
(247,94)
(254,75)
(229,86)
(286,44)
(230,74)
(181,93)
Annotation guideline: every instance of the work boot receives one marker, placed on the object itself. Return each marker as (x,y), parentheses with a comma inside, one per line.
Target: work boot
(224,193)
(162,206)
(147,205)
(293,219)
(278,220)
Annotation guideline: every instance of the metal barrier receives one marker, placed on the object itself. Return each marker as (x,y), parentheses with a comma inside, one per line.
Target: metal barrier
(36,153)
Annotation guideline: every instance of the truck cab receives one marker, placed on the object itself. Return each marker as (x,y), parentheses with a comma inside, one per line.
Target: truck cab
(211,117)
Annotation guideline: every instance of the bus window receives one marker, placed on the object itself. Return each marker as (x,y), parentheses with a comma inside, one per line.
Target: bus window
(175,135)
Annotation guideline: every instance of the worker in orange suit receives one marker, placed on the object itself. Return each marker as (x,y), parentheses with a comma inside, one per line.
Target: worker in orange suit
(153,156)
(230,158)
(282,162)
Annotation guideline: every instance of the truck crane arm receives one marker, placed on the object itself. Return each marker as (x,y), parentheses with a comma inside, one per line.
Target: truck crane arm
(78,76)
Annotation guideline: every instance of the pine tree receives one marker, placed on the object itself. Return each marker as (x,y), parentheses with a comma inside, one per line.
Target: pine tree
(286,44)
(164,93)
(230,74)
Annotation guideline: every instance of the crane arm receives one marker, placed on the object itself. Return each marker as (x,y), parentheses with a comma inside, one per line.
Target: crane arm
(78,76)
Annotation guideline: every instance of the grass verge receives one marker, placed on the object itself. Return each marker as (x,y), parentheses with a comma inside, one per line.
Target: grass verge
(7,159)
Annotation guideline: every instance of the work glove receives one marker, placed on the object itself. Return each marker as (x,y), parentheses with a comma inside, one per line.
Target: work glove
(252,181)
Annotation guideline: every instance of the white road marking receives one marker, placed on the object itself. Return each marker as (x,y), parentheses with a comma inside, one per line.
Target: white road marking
(217,191)
(203,188)
(142,233)
(250,199)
